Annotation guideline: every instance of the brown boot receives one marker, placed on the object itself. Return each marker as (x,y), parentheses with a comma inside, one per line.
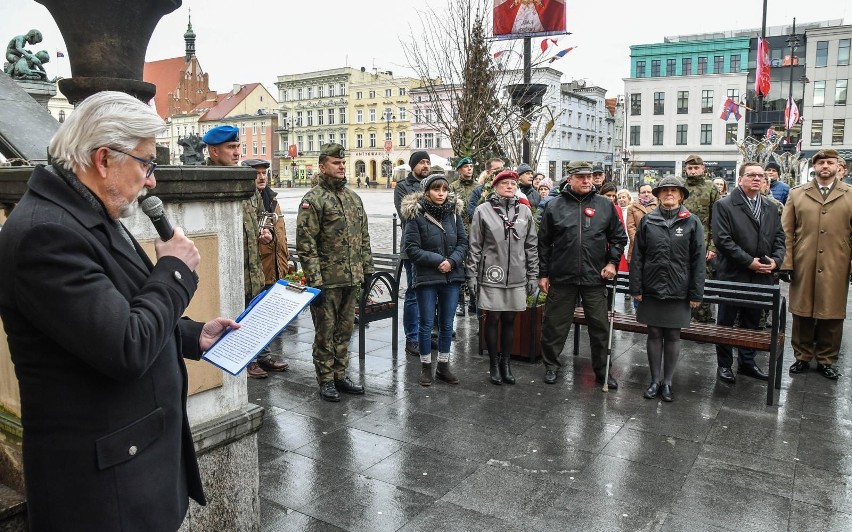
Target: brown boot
(270,364)
(426,374)
(443,373)
(255,372)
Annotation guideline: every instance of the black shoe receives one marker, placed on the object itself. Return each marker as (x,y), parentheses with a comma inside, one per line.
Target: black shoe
(753,371)
(800,366)
(494,368)
(611,383)
(550,376)
(726,375)
(653,391)
(347,386)
(412,348)
(666,393)
(828,371)
(506,369)
(328,392)
(460,310)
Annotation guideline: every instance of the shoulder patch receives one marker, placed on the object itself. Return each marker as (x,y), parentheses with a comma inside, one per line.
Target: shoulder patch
(306,205)
(684,214)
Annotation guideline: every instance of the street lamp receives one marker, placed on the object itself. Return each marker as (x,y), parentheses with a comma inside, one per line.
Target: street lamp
(388,147)
(626,161)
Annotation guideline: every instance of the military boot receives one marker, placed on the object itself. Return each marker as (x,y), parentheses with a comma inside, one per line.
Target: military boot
(506,369)
(494,368)
(425,374)
(443,373)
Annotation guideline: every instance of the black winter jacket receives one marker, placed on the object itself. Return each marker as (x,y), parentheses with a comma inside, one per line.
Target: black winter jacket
(427,245)
(578,237)
(403,188)
(668,259)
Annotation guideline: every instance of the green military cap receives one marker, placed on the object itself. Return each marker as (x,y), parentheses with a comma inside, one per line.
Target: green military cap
(463,161)
(827,153)
(579,167)
(333,150)
(694,159)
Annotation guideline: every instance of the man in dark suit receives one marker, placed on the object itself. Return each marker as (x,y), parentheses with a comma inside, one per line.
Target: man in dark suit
(96,334)
(750,247)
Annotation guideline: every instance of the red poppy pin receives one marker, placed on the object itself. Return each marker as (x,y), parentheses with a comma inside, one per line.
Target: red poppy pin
(683,214)
(589,212)
(306,205)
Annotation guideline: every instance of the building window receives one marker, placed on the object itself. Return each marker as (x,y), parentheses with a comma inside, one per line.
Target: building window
(300,143)
(331,117)
(635,104)
(840,88)
(331,90)
(640,69)
(388,114)
(731,132)
(816,132)
(372,115)
(402,114)
(428,140)
(331,138)
(735,63)
(707,101)
(320,117)
(680,139)
(671,65)
(320,140)
(428,116)
(417,116)
(837,128)
(734,94)
(359,116)
(843,52)
(299,118)
(418,140)
(402,142)
(682,102)
(242,129)
(388,135)
(244,149)
(822,54)
(263,128)
(342,88)
(372,140)
(342,115)
(320,92)
(634,135)
(686,66)
(718,64)
(310,117)
(372,94)
(254,128)
(657,139)
(702,65)
(359,95)
(655,68)
(706,134)
(310,143)
(263,148)
(659,103)
(402,91)
(388,93)
(298,94)
(819,93)
(359,140)
(254,148)
(343,139)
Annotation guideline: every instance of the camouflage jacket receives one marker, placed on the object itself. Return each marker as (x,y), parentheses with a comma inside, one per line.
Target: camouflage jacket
(702,195)
(462,190)
(253,276)
(332,238)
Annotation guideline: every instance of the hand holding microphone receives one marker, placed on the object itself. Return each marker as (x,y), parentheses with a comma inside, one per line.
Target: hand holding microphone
(173,243)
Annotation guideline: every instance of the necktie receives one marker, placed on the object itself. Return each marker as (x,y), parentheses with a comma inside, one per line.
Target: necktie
(824,191)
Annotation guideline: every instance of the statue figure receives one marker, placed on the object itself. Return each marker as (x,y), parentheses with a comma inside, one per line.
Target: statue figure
(15,51)
(30,68)
(193,149)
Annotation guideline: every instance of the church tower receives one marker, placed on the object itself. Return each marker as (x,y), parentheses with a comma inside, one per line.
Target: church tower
(189,38)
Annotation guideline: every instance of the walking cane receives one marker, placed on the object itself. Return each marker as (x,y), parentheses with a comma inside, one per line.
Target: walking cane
(605,388)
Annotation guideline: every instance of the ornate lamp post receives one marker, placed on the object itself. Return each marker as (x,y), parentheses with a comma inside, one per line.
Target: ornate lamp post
(386,164)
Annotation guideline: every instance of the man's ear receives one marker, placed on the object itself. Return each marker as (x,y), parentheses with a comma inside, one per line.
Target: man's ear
(101,161)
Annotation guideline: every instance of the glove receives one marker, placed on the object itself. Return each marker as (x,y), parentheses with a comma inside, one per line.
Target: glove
(471,286)
(532,284)
(786,276)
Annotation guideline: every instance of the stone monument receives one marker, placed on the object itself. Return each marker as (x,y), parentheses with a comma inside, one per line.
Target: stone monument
(27,67)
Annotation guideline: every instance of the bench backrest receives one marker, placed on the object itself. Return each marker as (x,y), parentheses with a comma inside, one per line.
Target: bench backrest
(726,292)
(382,262)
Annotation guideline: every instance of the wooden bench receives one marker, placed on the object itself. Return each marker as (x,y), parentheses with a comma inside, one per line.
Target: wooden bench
(381,298)
(765,297)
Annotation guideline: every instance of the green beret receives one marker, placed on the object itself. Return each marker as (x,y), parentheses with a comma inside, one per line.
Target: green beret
(463,161)
(579,167)
(827,153)
(333,150)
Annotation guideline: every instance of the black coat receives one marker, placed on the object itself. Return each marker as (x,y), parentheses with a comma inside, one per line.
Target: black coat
(428,245)
(574,244)
(668,261)
(96,337)
(739,238)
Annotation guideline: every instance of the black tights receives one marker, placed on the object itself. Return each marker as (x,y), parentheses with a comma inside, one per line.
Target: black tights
(507,336)
(663,342)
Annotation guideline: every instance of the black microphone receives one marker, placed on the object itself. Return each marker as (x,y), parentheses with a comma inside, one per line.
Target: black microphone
(152,206)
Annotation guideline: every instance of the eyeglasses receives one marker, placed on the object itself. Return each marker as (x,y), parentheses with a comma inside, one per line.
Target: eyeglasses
(754,175)
(151,165)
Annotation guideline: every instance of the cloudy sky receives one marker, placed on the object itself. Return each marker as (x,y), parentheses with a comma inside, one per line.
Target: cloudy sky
(257,40)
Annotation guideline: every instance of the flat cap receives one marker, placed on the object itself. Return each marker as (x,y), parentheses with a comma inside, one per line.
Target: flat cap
(694,159)
(463,161)
(254,163)
(333,150)
(579,167)
(827,153)
(220,135)
(597,169)
(523,168)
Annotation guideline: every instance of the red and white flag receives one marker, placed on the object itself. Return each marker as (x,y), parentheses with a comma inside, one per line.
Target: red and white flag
(791,113)
(761,80)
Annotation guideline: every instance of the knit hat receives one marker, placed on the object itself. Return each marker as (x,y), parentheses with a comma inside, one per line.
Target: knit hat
(416,157)
(505,174)
(546,182)
(773,166)
(670,181)
(427,182)
(524,168)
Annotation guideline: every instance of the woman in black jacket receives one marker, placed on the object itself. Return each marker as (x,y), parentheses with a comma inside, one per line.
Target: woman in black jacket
(436,244)
(667,278)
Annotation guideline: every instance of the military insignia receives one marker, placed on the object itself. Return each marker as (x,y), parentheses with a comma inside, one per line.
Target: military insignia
(683,214)
(589,212)
(306,205)
(495,274)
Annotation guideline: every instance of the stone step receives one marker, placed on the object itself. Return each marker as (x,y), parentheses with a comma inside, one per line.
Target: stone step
(13,510)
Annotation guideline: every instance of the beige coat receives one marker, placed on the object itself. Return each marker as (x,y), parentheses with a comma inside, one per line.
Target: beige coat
(635,212)
(819,249)
(275,257)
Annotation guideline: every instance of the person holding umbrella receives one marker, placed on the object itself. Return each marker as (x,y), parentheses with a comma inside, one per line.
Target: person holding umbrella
(667,279)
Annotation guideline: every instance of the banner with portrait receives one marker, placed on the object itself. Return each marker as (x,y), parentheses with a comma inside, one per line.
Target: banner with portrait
(516,19)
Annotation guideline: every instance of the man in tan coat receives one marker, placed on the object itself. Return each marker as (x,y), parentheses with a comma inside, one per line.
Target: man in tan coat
(817,223)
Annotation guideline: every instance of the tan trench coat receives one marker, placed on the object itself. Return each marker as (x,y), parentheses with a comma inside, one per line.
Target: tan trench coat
(819,248)
(275,257)
(635,212)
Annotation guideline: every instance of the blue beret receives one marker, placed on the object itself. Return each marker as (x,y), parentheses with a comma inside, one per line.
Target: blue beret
(221,134)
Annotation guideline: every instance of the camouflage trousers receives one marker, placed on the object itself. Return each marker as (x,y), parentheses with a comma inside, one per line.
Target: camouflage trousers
(704,313)
(334,319)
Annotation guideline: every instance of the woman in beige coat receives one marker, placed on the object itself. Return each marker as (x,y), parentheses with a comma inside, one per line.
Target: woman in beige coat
(645,203)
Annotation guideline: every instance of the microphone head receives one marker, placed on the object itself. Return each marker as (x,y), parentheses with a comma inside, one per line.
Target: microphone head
(152,206)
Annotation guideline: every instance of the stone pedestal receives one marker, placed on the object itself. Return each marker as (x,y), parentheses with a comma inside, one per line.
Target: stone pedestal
(40,91)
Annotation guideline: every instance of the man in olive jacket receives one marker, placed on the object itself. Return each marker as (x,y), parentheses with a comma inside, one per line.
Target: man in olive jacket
(580,242)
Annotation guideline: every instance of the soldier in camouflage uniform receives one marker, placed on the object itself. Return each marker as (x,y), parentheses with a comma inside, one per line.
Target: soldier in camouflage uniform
(462,188)
(333,243)
(702,195)
(223,148)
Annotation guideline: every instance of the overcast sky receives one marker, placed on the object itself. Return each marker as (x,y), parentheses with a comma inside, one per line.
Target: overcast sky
(257,40)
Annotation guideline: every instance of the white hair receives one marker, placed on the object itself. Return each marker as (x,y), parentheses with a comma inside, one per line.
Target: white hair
(108,118)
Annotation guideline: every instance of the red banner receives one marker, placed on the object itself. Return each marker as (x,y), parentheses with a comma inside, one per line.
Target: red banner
(515,19)
(761,79)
